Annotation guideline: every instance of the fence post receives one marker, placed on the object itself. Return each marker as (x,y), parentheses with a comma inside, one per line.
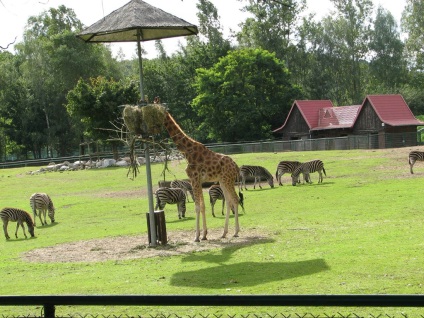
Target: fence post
(49,311)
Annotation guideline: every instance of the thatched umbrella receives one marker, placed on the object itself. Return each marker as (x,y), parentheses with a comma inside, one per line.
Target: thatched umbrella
(138,21)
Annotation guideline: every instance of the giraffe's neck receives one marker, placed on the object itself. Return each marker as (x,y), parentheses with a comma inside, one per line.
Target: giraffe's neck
(183,142)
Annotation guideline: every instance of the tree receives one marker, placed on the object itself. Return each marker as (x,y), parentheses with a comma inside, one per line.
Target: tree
(243,96)
(171,77)
(353,27)
(52,60)
(95,104)
(13,101)
(338,49)
(413,25)
(272,26)
(387,65)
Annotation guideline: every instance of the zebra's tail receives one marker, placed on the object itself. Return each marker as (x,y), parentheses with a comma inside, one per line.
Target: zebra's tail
(34,210)
(241,201)
(323,170)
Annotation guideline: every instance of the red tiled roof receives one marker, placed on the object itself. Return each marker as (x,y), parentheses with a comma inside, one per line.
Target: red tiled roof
(309,110)
(337,117)
(321,114)
(392,110)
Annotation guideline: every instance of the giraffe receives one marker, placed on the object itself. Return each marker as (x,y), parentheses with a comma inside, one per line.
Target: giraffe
(203,165)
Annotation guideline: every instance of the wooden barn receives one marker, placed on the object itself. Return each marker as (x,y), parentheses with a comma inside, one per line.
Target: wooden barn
(379,115)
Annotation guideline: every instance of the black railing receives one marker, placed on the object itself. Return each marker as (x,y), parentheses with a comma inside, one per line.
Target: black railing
(50,302)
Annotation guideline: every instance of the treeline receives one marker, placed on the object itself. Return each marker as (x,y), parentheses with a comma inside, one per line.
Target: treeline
(57,92)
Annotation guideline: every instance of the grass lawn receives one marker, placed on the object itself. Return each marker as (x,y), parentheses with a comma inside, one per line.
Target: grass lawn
(359,232)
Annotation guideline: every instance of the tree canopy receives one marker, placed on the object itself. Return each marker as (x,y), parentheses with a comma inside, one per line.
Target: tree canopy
(244,95)
(56,90)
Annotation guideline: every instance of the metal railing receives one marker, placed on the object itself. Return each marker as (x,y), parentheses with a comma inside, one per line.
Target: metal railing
(49,303)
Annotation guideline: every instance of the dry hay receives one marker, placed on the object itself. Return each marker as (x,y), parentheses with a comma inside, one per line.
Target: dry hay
(147,119)
(136,247)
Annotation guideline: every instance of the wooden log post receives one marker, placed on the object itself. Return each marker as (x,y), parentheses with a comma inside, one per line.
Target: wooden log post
(160,224)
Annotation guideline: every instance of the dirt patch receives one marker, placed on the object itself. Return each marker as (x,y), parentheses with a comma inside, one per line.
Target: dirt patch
(134,247)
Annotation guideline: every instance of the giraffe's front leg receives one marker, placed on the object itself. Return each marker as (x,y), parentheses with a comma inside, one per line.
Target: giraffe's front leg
(203,214)
(196,239)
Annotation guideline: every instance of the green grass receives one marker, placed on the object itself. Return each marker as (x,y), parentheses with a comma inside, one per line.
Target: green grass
(359,232)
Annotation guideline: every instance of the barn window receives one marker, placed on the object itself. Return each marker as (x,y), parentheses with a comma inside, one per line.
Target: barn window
(327,114)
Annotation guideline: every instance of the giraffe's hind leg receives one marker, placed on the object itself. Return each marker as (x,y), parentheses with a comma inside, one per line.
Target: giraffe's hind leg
(231,199)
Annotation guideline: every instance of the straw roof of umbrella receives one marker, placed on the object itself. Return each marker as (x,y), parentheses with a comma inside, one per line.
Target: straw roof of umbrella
(137,17)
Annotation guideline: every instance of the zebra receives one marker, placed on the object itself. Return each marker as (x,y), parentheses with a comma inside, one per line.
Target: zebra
(286,166)
(216,193)
(19,216)
(171,196)
(415,156)
(257,172)
(185,186)
(42,203)
(306,168)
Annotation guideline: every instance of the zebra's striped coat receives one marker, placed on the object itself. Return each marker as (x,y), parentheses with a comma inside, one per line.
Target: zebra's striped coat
(413,157)
(258,172)
(306,168)
(171,196)
(286,166)
(185,186)
(216,193)
(42,203)
(16,215)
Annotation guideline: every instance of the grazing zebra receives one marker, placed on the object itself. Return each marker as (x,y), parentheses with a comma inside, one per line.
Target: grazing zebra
(42,203)
(286,167)
(415,156)
(216,193)
(171,196)
(185,186)
(306,168)
(258,173)
(19,216)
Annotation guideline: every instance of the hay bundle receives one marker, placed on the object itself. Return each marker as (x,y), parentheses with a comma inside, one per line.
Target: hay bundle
(148,119)
(133,118)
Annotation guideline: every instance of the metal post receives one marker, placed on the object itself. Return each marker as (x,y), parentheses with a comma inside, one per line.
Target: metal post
(49,311)
(150,195)
(147,154)
(140,66)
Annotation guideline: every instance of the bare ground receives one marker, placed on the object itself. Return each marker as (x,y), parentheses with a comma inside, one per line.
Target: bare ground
(133,247)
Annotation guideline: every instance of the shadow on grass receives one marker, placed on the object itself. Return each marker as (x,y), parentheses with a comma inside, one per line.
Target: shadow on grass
(46,226)
(246,274)
(243,273)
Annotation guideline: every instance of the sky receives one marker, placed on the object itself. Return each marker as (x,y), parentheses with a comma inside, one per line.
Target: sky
(14,15)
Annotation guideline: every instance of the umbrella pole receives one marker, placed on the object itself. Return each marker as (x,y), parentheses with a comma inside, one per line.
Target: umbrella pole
(147,157)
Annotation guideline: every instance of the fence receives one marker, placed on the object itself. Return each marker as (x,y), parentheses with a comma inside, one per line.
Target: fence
(339,143)
(49,303)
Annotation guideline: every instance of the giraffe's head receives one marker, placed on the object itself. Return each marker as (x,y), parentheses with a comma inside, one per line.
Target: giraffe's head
(147,119)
